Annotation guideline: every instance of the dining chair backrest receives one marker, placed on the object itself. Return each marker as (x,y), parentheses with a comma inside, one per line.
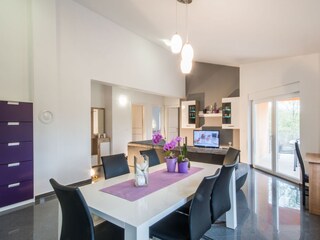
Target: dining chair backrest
(77,223)
(153,156)
(303,171)
(199,214)
(220,198)
(115,165)
(231,155)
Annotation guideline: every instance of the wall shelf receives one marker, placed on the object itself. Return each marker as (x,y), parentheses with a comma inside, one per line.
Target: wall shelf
(209,115)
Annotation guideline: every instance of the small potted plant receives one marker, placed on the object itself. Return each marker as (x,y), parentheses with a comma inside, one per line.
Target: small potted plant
(171,159)
(183,161)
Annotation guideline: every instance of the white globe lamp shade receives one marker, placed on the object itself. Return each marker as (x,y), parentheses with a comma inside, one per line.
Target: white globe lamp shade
(187,52)
(176,43)
(185,66)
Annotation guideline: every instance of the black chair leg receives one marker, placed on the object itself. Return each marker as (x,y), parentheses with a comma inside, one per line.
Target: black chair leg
(303,195)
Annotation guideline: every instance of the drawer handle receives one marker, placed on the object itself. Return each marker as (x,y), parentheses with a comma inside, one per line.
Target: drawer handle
(14,164)
(13,103)
(13,123)
(14,185)
(13,144)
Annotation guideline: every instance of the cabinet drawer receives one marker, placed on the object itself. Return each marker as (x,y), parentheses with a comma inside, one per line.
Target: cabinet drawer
(14,193)
(16,172)
(16,152)
(15,111)
(16,132)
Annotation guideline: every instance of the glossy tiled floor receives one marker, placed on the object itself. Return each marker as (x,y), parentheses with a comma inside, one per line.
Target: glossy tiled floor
(268,208)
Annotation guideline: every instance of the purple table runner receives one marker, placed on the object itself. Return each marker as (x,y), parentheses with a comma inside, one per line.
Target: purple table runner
(157,180)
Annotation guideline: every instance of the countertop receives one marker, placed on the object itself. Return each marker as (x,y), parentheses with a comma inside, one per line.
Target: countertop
(221,151)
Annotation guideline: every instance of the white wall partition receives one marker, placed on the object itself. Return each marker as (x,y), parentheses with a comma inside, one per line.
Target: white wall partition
(270,77)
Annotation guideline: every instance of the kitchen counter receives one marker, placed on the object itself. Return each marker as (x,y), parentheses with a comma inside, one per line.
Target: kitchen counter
(207,155)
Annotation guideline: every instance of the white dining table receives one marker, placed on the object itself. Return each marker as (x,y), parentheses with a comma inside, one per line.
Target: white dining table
(136,217)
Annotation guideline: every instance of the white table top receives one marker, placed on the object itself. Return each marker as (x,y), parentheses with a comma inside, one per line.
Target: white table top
(145,211)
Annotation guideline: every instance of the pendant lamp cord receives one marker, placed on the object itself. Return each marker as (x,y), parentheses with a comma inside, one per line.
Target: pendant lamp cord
(177,16)
(187,27)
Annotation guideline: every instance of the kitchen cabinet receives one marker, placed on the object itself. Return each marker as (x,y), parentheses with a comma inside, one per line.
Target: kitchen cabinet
(189,114)
(230,113)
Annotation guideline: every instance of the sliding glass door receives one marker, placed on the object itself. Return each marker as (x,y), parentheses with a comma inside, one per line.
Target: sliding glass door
(287,132)
(276,124)
(263,134)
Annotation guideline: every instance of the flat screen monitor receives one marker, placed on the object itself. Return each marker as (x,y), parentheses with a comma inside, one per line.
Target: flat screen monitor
(206,138)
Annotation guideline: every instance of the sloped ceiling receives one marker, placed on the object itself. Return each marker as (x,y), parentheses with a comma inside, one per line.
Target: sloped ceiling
(229,32)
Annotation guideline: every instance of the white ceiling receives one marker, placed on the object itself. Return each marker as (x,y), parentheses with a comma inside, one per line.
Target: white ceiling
(229,32)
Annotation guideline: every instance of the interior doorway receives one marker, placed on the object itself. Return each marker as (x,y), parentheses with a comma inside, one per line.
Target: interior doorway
(156,119)
(137,122)
(276,127)
(172,120)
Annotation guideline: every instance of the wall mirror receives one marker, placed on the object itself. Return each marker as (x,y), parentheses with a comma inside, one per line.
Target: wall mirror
(156,119)
(97,122)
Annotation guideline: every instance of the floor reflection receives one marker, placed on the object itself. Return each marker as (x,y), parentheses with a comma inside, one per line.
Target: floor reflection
(268,208)
(277,205)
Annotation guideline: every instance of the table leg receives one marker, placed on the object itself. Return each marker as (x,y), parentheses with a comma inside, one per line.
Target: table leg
(133,233)
(232,213)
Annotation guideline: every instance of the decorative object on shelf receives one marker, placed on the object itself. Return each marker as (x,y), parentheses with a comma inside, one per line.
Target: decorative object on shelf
(46,116)
(141,170)
(215,108)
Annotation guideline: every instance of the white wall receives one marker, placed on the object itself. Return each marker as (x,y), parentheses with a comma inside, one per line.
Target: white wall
(53,65)
(121,115)
(15,79)
(257,78)
(98,94)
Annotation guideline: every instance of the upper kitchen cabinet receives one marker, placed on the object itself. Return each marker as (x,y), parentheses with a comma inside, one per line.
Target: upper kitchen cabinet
(230,113)
(189,114)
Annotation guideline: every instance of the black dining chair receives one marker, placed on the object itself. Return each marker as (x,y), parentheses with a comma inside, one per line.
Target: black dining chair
(220,197)
(231,161)
(304,176)
(115,165)
(231,155)
(179,226)
(153,156)
(77,222)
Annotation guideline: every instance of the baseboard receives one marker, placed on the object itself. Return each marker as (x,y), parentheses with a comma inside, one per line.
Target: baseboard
(43,197)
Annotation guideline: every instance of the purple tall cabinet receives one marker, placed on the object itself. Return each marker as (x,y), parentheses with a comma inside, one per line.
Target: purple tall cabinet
(16,152)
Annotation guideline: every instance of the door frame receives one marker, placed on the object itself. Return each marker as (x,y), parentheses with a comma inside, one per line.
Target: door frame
(274,100)
(143,119)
